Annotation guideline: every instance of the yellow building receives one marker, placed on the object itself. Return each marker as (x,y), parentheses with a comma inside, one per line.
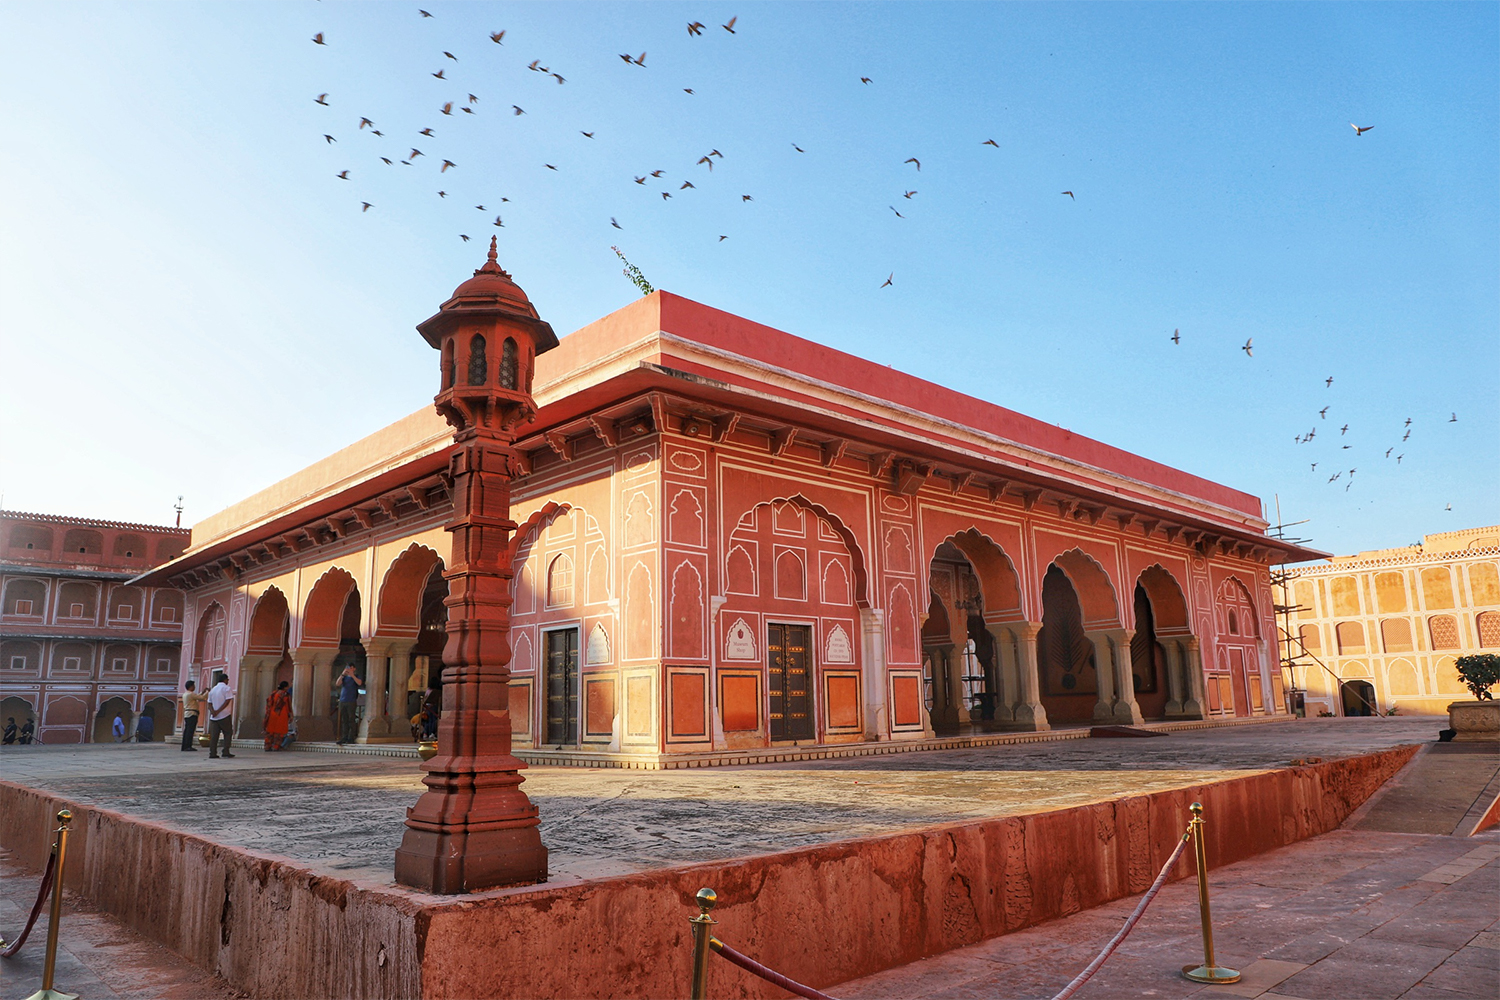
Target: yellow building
(1381,630)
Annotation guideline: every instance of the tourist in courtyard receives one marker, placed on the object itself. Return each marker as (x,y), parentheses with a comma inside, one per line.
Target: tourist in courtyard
(145,728)
(278,716)
(220,715)
(119,728)
(10,731)
(28,730)
(192,704)
(432,708)
(348,687)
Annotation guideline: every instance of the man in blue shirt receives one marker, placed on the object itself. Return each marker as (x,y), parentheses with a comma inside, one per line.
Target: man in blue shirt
(348,688)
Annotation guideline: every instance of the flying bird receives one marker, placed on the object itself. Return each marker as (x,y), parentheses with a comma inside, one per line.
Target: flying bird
(387,160)
(414,154)
(1388,452)
(1453,419)
(708,160)
(1400,457)
(473,99)
(1406,435)
(321,99)
(549,166)
(640,60)
(914,160)
(640,180)
(498,37)
(366,207)
(463,237)
(990,142)
(329,137)
(1408,422)
(907,195)
(1328,382)
(450,55)
(376,131)
(318,39)
(446,164)
(425,131)
(1176,336)
(1315,467)
(1070,195)
(730,26)
(612,222)
(499,223)
(448,108)
(342,175)
(534,64)
(439,75)
(1248,353)
(1323,413)
(442,194)
(798,148)
(657,173)
(1335,476)
(715,152)
(363,122)
(423,13)
(1449,507)
(864,79)
(686,185)
(723,238)
(1358,130)
(893,209)
(695,28)
(687,90)
(745,197)
(587,135)
(467,111)
(890,279)
(1343,430)
(480,207)
(517,109)
(665,195)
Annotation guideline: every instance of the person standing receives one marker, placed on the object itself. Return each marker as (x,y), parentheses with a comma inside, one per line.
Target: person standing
(278,716)
(119,727)
(192,704)
(348,687)
(145,728)
(220,715)
(28,730)
(10,731)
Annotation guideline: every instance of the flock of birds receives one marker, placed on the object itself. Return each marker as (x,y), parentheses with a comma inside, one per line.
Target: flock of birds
(467,105)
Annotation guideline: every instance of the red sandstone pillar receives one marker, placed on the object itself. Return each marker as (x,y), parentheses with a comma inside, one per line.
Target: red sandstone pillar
(474,828)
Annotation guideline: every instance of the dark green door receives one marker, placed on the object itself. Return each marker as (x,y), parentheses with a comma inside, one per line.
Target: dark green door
(562,686)
(790,683)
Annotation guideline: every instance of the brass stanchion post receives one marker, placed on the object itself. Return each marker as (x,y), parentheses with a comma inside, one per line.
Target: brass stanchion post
(55,918)
(701,937)
(1208,972)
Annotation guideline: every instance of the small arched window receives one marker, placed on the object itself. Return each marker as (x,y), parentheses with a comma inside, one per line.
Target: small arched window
(1444,630)
(1489,629)
(560,582)
(479,365)
(1234,624)
(448,363)
(1350,636)
(508,364)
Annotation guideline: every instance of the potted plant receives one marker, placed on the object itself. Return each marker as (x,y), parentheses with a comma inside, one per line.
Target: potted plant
(1478,719)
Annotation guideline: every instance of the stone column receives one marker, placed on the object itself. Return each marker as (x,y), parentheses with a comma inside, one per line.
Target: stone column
(1104,673)
(312,679)
(1127,711)
(1174,678)
(249,702)
(1196,704)
(1029,712)
(956,667)
(374,725)
(872,650)
(399,673)
(1005,671)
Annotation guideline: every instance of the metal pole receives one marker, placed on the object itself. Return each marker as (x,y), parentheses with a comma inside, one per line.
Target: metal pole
(1207,972)
(54,920)
(701,936)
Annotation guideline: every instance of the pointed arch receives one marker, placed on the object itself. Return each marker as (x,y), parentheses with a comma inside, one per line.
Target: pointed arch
(999,583)
(560,581)
(323,613)
(398,609)
(791,576)
(1235,600)
(856,554)
(527,530)
(1096,594)
(209,647)
(270,620)
(1169,610)
(686,629)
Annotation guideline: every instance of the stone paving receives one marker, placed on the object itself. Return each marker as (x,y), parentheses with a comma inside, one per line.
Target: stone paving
(342,815)
(96,957)
(1351,915)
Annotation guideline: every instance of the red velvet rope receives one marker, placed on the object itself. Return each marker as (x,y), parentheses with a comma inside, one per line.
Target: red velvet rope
(36,910)
(752,966)
(1114,943)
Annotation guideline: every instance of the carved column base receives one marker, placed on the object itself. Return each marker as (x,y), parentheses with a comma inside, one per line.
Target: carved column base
(470,861)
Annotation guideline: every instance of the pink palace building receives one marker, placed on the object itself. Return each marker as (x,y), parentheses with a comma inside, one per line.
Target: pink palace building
(733,540)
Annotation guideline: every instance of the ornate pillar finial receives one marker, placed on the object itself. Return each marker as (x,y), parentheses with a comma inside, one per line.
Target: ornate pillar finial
(492,252)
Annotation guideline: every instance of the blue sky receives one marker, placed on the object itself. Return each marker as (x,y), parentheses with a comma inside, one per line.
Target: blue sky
(192,303)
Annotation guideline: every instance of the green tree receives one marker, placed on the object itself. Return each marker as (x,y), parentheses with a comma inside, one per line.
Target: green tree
(1479,671)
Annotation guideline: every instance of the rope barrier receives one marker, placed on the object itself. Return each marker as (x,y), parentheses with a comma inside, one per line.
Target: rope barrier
(1109,949)
(36,910)
(769,975)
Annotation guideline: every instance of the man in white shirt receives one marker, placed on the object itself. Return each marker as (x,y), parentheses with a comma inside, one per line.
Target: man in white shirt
(220,715)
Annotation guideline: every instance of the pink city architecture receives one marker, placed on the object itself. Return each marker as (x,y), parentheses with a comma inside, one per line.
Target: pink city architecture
(79,645)
(729,539)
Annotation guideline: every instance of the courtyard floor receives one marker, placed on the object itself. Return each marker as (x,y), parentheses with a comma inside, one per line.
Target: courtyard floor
(342,815)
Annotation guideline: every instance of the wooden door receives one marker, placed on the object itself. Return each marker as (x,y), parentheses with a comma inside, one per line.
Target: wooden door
(790,682)
(1237,680)
(562,686)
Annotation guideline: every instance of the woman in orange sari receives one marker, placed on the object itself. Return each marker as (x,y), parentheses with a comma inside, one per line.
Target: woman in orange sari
(278,716)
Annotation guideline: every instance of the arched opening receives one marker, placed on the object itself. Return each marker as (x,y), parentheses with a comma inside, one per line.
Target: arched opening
(973,587)
(1357,698)
(16,711)
(1159,660)
(1065,655)
(104,720)
(163,715)
(270,636)
(209,651)
(432,636)
(1238,666)
(478,364)
(508,364)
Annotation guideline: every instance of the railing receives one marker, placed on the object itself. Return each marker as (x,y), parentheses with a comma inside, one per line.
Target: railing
(704,943)
(51,878)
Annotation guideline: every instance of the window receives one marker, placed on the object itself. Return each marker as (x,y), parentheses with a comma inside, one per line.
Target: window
(72,663)
(23,607)
(1234,624)
(1395,635)
(162,666)
(508,364)
(560,582)
(479,365)
(1489,629)
(1351,637)
(169,614)
(1444,631)
(119,663)
(75,610)
(124,611)
(1311,641)
(18,663)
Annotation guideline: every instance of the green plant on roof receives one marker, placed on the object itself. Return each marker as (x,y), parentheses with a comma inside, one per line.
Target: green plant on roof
(634,274)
